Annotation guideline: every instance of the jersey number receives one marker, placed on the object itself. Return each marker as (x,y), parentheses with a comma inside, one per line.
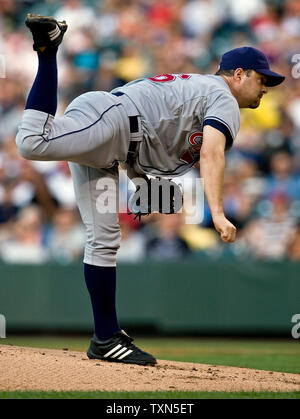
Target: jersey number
(162,78)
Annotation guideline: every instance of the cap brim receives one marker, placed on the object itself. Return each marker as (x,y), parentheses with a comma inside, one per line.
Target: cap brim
(273,79)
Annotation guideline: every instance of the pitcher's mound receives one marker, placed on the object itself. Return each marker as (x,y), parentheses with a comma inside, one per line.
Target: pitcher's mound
(59,370)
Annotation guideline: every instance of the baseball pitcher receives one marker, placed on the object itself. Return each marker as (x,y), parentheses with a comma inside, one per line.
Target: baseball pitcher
(161,126)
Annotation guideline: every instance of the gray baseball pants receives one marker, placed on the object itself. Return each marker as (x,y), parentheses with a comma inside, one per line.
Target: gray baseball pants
(93,136)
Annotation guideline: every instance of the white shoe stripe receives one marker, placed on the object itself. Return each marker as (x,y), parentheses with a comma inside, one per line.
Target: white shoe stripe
(53,30)
(126,353)
(112,350)
(119,352)
(54,37)
(54,33)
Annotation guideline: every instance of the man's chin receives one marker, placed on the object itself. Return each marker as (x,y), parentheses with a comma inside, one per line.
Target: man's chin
(255,104)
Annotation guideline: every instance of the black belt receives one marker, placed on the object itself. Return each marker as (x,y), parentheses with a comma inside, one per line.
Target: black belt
(134,127)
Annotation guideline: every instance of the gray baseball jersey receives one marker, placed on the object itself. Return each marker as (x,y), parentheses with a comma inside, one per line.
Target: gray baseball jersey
(94,135)
(174,109)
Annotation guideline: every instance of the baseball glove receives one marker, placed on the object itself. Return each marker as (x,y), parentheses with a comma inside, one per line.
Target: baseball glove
(155,195)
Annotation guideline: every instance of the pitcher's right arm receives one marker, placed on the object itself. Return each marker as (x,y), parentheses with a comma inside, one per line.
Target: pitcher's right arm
(212,167)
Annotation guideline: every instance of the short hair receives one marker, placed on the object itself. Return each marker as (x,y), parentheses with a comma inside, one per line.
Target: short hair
(230,73)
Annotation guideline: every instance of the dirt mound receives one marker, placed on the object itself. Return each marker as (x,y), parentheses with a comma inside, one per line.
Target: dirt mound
(62,370)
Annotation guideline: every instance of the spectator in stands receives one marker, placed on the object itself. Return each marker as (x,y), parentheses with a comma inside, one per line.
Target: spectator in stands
(110,42)
(238,203)
(25,243)
(294,246)
(167,243)
(282,178)
(132,247)
(78,15)
(131,65)
(66,239)
(268,237)
(8,209)
(199,18)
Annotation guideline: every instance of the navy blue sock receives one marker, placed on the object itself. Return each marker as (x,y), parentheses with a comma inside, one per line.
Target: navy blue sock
(101,284)
(43,94)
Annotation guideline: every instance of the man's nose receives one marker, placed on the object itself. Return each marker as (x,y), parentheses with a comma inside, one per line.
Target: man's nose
(265,90)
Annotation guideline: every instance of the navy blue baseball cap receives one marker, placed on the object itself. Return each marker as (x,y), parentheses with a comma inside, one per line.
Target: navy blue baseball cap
(249,58)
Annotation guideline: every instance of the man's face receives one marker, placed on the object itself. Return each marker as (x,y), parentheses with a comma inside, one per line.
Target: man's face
(250,89)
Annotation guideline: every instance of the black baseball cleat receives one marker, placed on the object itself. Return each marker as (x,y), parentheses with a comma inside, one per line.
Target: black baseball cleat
(119,348)
(46,31)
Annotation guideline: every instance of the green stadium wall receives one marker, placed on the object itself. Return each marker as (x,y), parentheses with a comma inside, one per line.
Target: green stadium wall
(201,297)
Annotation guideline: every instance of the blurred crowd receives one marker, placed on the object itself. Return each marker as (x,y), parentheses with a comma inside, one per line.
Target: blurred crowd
(111,42)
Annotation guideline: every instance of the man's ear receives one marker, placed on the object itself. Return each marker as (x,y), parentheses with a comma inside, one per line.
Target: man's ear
(238,73)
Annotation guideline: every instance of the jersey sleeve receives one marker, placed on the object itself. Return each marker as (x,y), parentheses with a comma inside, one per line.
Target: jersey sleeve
(222,112)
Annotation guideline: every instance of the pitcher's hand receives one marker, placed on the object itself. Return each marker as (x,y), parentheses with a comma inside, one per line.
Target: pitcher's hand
(226,229)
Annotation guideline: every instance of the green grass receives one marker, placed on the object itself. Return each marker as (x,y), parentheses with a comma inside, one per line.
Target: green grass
(146,395)
(269,354)
(273,355)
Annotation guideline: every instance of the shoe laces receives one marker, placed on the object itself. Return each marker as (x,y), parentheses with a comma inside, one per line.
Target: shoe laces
(128,340)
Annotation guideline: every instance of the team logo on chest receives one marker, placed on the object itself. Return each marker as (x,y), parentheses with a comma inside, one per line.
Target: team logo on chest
(191,155)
